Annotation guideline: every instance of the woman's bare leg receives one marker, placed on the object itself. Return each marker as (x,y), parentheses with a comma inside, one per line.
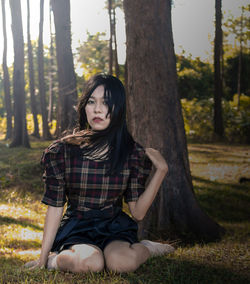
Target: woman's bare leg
(123,257)
(80,258)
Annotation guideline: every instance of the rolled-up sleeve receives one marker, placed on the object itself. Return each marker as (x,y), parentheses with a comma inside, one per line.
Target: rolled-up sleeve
(53,161)
(140,169)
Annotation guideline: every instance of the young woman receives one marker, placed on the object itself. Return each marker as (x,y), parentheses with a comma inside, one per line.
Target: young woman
(93,170)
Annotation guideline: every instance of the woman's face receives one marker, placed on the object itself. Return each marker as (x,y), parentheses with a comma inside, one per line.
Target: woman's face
(96,110)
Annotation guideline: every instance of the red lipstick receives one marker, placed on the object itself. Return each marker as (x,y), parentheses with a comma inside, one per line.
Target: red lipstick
(97,119)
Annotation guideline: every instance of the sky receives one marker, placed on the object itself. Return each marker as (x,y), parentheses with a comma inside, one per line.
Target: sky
(192,20)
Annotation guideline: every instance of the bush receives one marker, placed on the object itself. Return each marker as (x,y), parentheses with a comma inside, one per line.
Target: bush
(198,119)
(237,121)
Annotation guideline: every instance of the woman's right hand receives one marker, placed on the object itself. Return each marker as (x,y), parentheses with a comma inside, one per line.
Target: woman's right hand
(34,264)
(157,159)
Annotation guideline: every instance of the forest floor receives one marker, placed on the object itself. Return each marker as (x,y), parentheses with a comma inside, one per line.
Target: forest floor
(216,170)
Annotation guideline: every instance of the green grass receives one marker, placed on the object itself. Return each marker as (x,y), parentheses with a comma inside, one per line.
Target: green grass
(216,170)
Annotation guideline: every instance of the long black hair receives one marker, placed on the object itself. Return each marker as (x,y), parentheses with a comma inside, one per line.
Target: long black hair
(116,136)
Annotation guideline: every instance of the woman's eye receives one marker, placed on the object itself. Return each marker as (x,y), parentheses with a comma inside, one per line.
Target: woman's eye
(90,102)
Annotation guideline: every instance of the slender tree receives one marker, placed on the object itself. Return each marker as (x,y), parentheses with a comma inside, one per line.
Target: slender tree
(239,28)
(110,38)
(240,58)
(113,57)
(51,71)
(65,65)
(156,120)
(20,135)
(117,69)
(6,78)
(31,76)
(218,120)
(46,133)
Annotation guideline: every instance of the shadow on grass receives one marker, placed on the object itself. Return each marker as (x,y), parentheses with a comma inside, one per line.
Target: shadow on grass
(20,171)
(220,162)
(156,270)
(23,222)
(215,152)
(162,270)
(221,184)
(223,201)
(22,244)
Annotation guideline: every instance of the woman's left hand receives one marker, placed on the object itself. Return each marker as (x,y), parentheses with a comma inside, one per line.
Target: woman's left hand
(157,159)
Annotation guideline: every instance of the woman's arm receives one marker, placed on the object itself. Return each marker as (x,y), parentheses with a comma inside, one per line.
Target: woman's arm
(52,222)
(140,207)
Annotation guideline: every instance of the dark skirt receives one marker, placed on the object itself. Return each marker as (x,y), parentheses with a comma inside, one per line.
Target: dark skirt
(96,228)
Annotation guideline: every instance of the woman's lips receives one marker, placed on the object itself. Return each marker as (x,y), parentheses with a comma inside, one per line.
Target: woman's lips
(97,120)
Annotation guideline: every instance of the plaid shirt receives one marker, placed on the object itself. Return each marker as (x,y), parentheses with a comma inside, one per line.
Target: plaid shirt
(70,176)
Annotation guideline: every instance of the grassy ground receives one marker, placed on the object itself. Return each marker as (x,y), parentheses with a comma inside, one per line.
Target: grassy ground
(216,170)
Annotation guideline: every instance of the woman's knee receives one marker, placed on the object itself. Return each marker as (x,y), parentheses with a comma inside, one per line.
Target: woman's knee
(65,261)
(121,260)
(90,258)
(94,263)
(78,261)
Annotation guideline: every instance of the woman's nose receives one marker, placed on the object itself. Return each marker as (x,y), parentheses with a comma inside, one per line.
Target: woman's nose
(97,107)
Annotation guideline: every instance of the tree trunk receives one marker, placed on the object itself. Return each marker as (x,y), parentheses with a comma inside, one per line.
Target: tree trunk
(6,79)
(240,60)
(156,121)
(218,120)
(111,38)
(46,133)
(51,64)
(31,77)
(65,65)
(117,70)
(20,135)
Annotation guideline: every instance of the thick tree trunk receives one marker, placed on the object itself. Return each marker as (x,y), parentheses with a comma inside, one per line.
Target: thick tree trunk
(46,133)
(65,65)
(156,121)
(218,120)
(20,135)
(31,77)
(6,79)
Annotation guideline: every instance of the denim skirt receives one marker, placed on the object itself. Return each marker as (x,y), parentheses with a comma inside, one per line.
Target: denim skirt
(95,227)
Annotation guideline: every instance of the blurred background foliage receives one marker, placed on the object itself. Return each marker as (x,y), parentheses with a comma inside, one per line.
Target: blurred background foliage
(195,82)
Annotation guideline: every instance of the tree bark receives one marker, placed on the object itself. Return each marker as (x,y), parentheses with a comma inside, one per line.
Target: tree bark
(31,77)
(6,79)
(218,120)
(156,121)
(51,64)
(20,135)
(240,59)
(65,65)
(46,133)
(111,38)
(117,69)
